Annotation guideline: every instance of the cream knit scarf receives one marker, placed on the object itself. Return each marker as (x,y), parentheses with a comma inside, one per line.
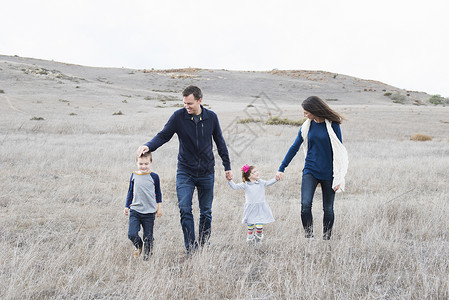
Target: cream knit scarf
(340,155)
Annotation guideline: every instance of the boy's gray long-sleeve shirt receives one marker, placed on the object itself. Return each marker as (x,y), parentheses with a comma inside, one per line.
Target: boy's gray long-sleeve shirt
(144,193)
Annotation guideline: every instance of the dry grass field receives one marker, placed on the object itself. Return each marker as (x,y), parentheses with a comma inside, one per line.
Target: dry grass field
(64,179)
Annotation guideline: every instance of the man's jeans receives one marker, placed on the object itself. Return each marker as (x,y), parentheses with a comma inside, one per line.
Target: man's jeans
(308,187)
(147,221)
(185,185)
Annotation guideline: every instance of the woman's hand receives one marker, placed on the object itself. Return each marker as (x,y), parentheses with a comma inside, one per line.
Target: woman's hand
(336,188)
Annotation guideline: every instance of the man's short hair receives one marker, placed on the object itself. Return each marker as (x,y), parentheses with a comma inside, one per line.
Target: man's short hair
(191,89)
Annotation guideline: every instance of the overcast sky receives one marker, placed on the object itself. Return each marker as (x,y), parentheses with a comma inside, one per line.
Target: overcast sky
(402,43)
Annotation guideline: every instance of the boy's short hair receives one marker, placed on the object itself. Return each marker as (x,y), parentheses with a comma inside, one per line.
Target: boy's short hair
(146,154)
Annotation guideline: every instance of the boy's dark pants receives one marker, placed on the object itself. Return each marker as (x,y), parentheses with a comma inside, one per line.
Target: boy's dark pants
(147,221)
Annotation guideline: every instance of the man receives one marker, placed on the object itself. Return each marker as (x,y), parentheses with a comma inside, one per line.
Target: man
(195,127)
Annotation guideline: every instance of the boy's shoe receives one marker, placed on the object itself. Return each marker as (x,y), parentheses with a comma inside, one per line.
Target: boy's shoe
(137,252)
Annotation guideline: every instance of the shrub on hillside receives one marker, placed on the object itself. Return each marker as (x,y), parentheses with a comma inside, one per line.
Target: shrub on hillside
(273,121)
(248,120)
(438,99)
(284,121)
(397,98)
(420,137)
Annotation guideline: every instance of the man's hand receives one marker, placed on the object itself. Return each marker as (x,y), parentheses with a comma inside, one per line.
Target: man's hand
(279,175)
(141,150)
(228,175)
(126,211)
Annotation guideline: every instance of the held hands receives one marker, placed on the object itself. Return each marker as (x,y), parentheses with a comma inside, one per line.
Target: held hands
(279,175)
(141,150)
(228,175)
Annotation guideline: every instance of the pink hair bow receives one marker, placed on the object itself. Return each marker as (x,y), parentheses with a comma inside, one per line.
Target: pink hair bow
(245,168)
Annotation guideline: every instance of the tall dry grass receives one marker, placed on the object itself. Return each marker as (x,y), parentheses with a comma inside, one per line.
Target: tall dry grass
(63,185)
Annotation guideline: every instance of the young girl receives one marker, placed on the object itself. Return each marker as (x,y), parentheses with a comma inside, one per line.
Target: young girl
(256,212)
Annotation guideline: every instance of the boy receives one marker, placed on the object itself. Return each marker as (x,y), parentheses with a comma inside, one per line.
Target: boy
(143,202)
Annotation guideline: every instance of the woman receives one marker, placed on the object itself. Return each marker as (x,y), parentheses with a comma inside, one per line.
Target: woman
(326,161)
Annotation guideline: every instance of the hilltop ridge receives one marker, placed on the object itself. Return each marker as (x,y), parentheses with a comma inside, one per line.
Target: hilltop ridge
(35,80)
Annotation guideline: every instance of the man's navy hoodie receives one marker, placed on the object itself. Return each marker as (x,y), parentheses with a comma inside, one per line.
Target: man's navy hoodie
(195,141)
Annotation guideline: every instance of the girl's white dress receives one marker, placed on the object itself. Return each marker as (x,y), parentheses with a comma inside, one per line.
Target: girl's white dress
(256,208)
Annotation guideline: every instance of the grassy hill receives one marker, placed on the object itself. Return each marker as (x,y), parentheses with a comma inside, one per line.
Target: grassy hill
(68,137)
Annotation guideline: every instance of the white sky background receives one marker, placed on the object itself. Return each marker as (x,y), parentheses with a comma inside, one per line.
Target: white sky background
(402,43)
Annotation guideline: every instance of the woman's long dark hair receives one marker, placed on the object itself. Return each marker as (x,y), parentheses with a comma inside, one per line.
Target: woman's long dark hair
(319,108)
